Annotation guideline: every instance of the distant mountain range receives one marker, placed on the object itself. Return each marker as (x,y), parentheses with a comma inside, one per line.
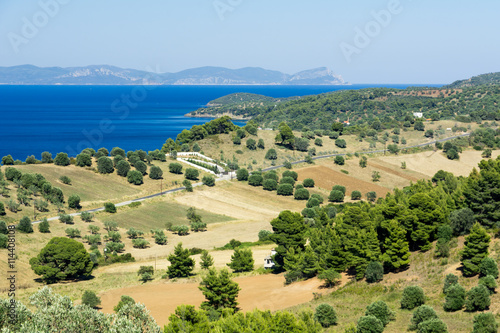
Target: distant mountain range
(480,80)
(110,75)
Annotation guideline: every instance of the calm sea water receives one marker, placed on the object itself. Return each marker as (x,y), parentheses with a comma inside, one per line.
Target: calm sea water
(68,119)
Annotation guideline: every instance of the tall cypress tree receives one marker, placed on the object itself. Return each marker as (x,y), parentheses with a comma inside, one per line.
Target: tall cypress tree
(475,249)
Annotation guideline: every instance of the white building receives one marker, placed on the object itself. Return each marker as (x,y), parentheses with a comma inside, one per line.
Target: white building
(268,261)
(418,114)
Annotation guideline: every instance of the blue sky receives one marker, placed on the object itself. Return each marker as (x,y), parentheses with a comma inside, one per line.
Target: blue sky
(418,42)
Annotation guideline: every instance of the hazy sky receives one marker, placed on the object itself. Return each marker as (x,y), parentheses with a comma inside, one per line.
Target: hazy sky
(406,42)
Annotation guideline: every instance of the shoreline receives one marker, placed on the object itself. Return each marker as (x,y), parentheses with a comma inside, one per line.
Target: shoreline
(216,116)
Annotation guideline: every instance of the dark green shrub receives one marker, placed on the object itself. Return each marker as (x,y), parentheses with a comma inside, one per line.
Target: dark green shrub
(141,167)
(175,168)
(461,221)
(371,196)
(155,172)
(187,184)
(290,173)
(485,323)
(271,154)
(339,160)
(122,168)
(66,219)
(435,325)
(25,225)
(413,296)
(191,174)
(312,202)
(478,299)
(270,185)
(445,232)
(109,207)
(340,143)
(455,298)
(255,180)
(308,182)
(488,266)
(61,159)
(64,179)
(325,315)
(380,310)
(89,298)
(356,195)
(442,248)
(208,181)
(285,189)
(449,281)
(242,174)
(339,188)
(489,282)
(369,324)
(135,177)
(287,180)
(421,314)
(336,196)
(83,160)
(3,241)
(105,165)
(301,194)
(374,272)
(74,201)
(264,235)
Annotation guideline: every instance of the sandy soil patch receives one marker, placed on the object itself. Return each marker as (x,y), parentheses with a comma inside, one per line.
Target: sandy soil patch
(430,162)
(265,292)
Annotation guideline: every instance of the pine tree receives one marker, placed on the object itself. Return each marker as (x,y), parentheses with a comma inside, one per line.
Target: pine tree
(475,250)
(397,249)
(308,263)
(241,260)
(288,232)
(181,265)
(207,260)
(25,225)
(219,290)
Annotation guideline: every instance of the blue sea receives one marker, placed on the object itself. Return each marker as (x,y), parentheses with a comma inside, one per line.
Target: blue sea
(68,119)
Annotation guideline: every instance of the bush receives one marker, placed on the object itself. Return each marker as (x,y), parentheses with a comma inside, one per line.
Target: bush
(25,225)
(44,226)
(175,168)
(65,180)
(413,296)
(264,235)
(488,266)
(485,323)
(187,184)
(191,174)
(449,281)
(301,194)
(340,143)
(435,325)
(380,310)
(455,298)
(371,196)
(208,181)
(308,182)
(336,196)
(109,207)
(330,277)
(421,314)
(270,185)
(287,165)
(287,180)
(2,209)
(374,272)
(74,201)
(318,142)
(89,298)
(445,232)
(83,160)
(135,177)
(251,144)
(105,165)
(122,168)
(339,160)
(72,232)
(271,154)
(369,324)
(290,173)
(489,282)
(61,159)
(241,260)
(309,212)
(66,219)
(356,195)
(478,299)
(442,248)
(242,174)
(312,202)
(140,243)
(86,217)
(3,241)
(325,315)
(255,179)
(285,189)
(155,172)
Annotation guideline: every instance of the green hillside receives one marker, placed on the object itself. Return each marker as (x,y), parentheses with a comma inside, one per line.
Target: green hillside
(480,80)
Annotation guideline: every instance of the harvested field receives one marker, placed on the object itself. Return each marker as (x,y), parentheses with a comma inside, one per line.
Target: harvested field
(325,178)
(265,292)
(430,162)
